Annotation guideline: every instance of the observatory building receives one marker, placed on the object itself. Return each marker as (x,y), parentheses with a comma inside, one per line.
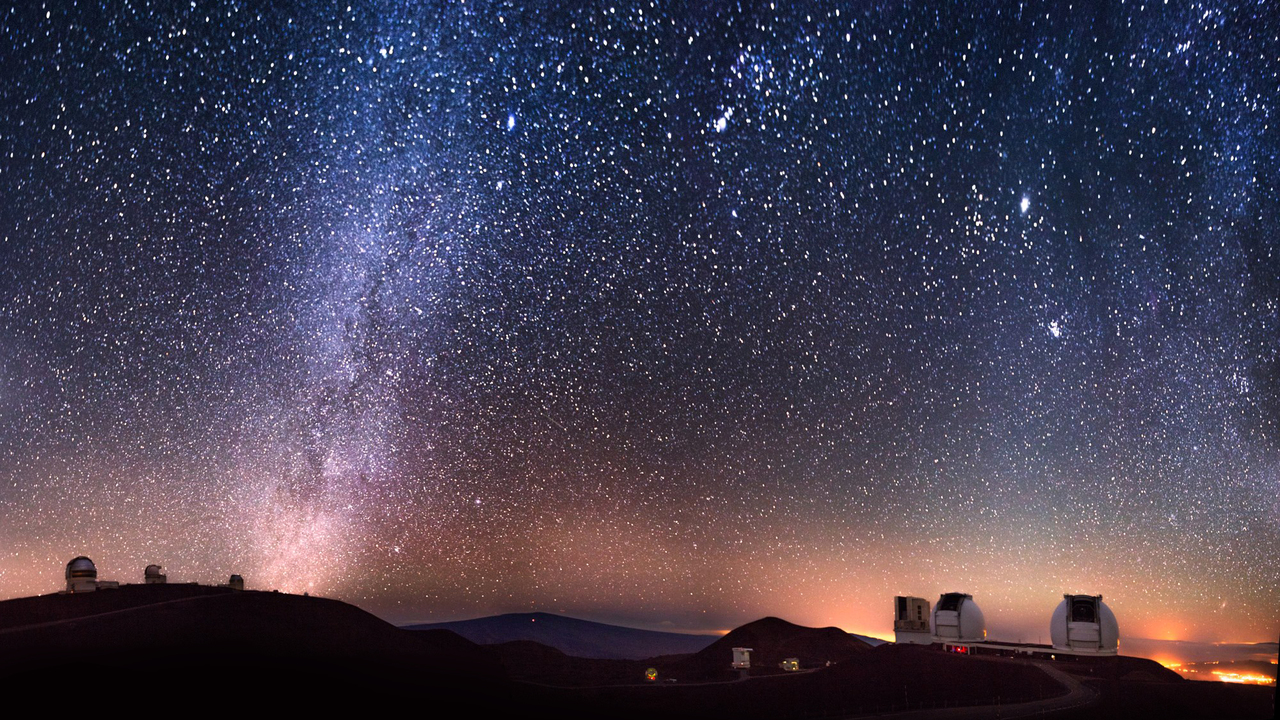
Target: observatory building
(82,577)
(1081,626)
(741,658)
(911,621)
(958,618)
(1084,624)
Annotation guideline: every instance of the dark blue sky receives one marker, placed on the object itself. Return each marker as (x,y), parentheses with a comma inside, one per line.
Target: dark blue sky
(648,312)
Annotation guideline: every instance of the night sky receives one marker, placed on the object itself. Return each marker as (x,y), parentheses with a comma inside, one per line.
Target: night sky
(673,315)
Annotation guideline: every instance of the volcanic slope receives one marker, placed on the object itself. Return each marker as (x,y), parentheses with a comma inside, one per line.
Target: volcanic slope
(772,640)
(200,638)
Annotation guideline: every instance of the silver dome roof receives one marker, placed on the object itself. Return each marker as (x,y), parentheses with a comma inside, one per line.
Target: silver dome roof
(81,567)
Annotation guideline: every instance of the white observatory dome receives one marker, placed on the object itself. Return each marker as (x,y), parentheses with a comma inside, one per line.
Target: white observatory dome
(958,618)
(1083,623)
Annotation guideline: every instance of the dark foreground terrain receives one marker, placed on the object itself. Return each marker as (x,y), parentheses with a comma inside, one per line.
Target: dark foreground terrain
(1129,687)
(256,651)
(182,642)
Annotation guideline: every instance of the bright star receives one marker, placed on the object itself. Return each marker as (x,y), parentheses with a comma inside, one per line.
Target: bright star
(1026,203)
(723,121)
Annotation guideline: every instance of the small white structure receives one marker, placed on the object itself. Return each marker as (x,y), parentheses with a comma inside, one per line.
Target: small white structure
(236,582)
(1084,624)
(911,621)
(153,575)
(958,618)
(741,658)
(82,575)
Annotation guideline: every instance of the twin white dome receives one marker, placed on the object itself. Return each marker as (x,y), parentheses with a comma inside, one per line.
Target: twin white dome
(1080,624)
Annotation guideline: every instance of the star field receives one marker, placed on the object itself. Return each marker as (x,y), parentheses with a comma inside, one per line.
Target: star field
(672,314)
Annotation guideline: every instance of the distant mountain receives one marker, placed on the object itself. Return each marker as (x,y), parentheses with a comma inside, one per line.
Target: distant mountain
(1185,651)
(771,640)
(579,638)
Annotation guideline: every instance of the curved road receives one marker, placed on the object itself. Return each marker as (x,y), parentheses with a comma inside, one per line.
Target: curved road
(1078,696)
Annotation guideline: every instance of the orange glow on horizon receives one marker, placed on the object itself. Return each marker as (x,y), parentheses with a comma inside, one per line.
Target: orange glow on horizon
(1205,670)
(1245,678)
(876,635)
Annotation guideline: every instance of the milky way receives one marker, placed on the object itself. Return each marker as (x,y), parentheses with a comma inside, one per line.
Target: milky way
(678,315)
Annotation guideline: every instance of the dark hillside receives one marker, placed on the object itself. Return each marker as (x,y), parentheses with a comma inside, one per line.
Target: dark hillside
(772,640)
(218,640)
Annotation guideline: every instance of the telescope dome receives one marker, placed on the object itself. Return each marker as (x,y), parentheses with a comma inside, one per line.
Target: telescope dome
(958,618)
(1083,623)
(81,567)
(82,575)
